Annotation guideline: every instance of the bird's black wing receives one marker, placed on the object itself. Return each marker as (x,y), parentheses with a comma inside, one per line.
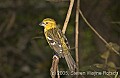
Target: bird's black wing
(54,39)
(64,37)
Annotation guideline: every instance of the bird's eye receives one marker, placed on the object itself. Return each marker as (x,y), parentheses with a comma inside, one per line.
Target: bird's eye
(46,22)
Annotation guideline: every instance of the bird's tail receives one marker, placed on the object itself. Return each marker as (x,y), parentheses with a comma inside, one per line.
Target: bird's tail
(70,62)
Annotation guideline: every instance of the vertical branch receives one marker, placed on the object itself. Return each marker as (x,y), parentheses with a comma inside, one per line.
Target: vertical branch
(58,75)
(68,16)
(76,35)
(54,68)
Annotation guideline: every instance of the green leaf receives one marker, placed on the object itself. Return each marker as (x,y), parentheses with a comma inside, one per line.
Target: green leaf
(99,65)
(111,66)
(113,45)
(105,55)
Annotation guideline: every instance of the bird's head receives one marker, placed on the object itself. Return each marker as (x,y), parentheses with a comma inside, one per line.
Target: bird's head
(48,23)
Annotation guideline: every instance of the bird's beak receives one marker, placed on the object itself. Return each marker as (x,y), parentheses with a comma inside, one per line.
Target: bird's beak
(42,24)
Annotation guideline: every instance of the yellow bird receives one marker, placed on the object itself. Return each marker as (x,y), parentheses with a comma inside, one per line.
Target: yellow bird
(57,41)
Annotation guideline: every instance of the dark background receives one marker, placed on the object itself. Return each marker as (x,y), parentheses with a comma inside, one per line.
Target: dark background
(22,55)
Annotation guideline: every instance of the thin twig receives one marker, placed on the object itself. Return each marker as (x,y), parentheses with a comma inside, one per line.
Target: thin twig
(107,44)
(116,22)
(11,22)
(116,76)
(37,38)
(68,16)
(76,36)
